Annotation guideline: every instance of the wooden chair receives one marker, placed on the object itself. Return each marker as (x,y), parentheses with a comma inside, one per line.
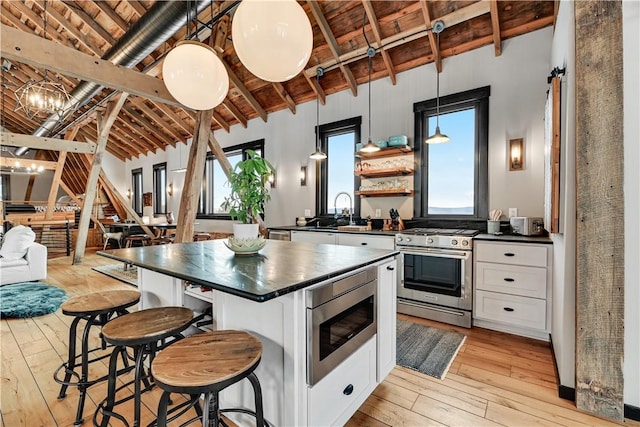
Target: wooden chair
(107,235)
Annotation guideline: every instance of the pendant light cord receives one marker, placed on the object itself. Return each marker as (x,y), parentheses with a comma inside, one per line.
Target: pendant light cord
(44,30)
(370,58)
(438,84)
(318,112)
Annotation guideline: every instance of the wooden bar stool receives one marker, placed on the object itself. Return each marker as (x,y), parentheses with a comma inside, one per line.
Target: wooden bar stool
(142,331)
(96,309)
(136,240)
(199,236)
(207,363)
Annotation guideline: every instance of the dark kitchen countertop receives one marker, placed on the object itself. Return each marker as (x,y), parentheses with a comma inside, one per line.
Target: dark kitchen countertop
(514,238)
(332,229)
(279,268)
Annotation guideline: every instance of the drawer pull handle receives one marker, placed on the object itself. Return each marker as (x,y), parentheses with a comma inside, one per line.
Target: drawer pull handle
(509,254)
(347,391)
(509,309)
(364,243)
(390,268)
(509,279)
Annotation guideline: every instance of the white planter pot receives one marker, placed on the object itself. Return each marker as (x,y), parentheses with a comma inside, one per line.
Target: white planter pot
(245,231)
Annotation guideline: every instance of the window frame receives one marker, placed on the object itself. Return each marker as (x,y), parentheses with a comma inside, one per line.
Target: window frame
(136,193)
(257,145)
(322,184)
(6,187)
(158,191)
(474,98)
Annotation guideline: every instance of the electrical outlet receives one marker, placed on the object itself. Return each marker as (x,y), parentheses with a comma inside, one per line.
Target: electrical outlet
(378,213)
(513,212)
(307,212)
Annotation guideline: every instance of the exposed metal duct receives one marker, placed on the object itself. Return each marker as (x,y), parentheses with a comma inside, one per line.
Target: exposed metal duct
(160,22)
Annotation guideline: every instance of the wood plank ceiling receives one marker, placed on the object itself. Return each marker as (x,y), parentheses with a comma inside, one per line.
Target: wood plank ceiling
(397,29)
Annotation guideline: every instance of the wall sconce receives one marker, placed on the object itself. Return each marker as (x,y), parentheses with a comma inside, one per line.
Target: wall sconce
(303,176)
(272,179)
(516,154)
(129,194)
(170,189)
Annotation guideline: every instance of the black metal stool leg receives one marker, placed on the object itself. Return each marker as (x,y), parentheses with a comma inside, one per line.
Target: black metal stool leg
(111,389)
(71,361)
(162,409)
(84,377)
(257,392)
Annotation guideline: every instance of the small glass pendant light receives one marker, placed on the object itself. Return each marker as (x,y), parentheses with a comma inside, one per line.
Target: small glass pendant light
(318,154)
(438,137)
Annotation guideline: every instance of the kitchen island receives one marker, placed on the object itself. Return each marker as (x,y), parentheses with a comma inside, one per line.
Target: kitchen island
(267,294)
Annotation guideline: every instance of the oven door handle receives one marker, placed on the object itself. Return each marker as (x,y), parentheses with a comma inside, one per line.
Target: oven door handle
(439,254)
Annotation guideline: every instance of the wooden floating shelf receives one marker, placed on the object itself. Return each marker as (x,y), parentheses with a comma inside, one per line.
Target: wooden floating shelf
(382,173)
(385,193)
(386,152)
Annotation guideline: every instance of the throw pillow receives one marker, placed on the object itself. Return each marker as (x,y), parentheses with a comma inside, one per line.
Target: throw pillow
(16,242)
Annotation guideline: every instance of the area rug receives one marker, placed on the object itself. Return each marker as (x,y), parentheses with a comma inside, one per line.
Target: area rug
(117,271)
(30,299)
(426,349)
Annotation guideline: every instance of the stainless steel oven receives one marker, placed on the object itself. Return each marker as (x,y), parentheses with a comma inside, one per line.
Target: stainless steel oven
(436,274)
(341,317)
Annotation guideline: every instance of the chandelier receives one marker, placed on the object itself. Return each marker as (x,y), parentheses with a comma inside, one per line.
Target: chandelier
(42,98)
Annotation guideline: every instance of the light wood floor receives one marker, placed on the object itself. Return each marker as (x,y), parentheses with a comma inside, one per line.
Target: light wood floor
(496,379)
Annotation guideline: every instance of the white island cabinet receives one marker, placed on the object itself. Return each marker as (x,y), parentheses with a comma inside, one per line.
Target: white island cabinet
(268,296)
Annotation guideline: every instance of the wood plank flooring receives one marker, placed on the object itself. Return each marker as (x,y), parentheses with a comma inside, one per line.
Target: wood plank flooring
(496,379)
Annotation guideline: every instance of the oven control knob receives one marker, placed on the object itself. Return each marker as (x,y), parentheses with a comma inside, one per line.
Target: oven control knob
(407,239)
(454,242)
(399,239)
(429,240)
(465,243)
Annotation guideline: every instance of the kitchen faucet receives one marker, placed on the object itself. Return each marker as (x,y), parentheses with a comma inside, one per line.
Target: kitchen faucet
(350,205)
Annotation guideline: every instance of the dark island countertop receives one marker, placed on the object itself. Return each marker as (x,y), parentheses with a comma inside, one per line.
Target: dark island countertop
(279,268)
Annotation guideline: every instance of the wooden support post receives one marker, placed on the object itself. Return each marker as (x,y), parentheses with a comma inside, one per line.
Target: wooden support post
(193,178)
(104,126)
(600,230)
(57,176)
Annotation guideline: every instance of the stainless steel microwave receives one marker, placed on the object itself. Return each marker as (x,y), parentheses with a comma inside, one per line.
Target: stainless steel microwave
(527,226)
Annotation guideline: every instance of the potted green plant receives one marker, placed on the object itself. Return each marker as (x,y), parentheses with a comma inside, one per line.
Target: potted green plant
(249,193)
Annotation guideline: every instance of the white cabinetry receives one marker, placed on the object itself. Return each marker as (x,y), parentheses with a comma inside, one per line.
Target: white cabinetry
(377,242)
(344,239)
(313,237)
(512,291)
(387,291)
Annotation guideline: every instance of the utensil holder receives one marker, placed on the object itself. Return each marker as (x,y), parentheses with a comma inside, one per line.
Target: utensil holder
(493,227)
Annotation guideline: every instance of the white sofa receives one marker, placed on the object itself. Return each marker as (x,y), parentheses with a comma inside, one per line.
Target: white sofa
(21,258)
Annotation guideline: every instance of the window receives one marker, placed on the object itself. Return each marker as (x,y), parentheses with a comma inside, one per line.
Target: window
(160,189)
(5,187)
(136,190)
(451,179)
(214,185)
(335,174)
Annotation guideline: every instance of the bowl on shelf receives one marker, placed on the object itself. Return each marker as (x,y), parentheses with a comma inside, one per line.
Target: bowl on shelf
(245,246)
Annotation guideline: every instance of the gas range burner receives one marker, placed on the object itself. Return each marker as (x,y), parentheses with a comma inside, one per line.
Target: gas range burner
(447,238)
(441,232)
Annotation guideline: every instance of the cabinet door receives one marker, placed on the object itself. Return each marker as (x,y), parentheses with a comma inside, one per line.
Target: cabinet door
(313,237)
(159,290)
(387,291)
(378,242)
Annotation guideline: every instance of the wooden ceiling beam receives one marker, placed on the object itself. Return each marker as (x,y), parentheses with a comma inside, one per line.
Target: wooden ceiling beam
(495,26)
(152,115)
(235,112)
(375,28)
(35,51)
(245,92)
(31,15)
(181,122)
(332,44)
(220,120)
(282,93)
(70,28)
(154,128)
(137,7)
(112,15)
(73,7)
(424,5)
(114,145)
(41,143)
(135,137)
(11,162)
(123,142)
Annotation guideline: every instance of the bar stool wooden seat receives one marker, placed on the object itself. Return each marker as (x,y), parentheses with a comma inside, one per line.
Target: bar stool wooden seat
(207,363)
(96,309)
(145,332)
(199,236)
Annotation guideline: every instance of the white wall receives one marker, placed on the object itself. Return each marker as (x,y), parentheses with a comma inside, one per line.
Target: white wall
(564,277)
(631,46)
(518,84)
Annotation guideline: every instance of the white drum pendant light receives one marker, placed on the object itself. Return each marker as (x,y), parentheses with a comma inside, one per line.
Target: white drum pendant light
(273,39)
(195,76)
